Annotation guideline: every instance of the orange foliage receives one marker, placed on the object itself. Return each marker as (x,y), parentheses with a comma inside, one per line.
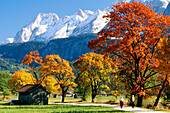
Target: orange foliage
(163,55)
(32,57)
(61,70)
(55,73)
(131,38)
(33,60)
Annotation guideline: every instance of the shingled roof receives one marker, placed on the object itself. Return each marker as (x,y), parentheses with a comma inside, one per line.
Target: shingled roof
(30,87)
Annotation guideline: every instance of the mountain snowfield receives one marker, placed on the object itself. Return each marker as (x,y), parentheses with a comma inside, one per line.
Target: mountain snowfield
(48,26)
(8,40)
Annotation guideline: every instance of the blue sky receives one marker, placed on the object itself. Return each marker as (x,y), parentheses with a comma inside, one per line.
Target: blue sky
(15,14)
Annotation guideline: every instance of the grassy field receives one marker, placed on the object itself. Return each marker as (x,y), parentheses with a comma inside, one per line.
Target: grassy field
(69,108)
(98,99)
(54,109)
(59,108)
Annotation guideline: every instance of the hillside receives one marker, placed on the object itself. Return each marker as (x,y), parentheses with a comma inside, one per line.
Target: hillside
(11,65)
(67,48)
(19,50)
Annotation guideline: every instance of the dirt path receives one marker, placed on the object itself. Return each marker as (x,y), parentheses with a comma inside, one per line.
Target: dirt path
(136,110)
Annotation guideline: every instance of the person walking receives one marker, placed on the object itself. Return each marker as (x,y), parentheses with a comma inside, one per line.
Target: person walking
(133,101)
(121,102)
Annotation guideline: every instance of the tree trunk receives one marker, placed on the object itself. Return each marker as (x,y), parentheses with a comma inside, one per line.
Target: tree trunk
(63,95)
(36,77)
(139,102)
(92,100)
(160,91)
(93,97)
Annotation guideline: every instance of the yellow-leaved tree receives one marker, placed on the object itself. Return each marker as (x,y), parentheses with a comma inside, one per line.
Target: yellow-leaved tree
(49,83)
(34,60)
(95,70)
(42,71)
(61,70)
(20,79)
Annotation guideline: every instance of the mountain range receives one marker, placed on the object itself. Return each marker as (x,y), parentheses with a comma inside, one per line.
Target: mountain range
(48,26)
(67,36)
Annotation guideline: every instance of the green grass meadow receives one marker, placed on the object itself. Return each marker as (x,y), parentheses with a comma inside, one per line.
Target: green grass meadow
(98,99)
(52,108)
(59,108)
(55,109)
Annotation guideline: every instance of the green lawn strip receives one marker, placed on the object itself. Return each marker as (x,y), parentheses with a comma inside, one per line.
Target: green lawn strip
(55,109)
(98,99)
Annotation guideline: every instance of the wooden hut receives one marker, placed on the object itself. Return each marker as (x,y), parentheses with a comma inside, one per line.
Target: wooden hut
(33,94)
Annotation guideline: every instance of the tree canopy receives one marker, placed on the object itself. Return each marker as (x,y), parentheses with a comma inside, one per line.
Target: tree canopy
(52,72)
(4,87)
(94,70)
(163,55)
(131,38)
(61,70)
(20,79)
(33,60)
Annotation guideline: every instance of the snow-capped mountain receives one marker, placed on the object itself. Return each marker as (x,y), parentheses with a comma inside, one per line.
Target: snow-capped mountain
(64,26)
(48,26)
(7,40)
(93,24)
(36,28)
(167,10)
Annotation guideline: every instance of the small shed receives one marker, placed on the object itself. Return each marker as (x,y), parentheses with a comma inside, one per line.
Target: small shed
(33,94)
